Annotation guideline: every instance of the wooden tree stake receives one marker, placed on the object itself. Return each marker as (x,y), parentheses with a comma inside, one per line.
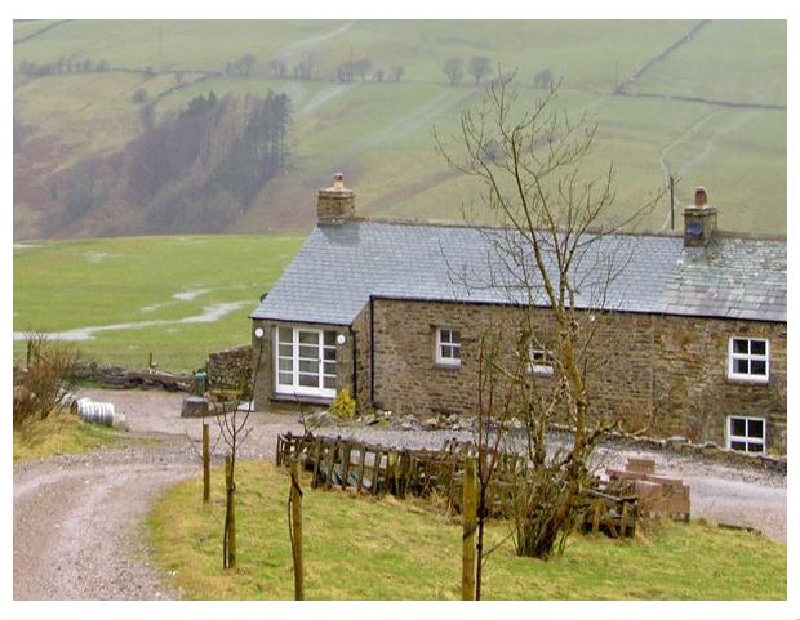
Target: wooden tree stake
(469,514)
(297,530)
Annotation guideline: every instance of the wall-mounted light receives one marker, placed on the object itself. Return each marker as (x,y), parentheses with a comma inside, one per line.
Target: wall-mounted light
(259,333)
(341,339)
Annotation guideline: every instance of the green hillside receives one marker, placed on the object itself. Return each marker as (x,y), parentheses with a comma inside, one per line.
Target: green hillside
(703,100)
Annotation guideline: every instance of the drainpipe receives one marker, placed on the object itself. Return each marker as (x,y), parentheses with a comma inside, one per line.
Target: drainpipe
(371,352)
(353,342)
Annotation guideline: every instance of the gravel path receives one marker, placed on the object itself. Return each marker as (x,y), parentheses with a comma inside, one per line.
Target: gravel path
(78,519)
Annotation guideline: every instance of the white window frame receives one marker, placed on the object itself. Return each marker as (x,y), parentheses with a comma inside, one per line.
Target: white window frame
(748,440)
(540,362)
(303,354)
(748,357)
(448,351)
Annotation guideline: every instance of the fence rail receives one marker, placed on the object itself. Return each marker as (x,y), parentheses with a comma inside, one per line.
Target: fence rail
(611,506)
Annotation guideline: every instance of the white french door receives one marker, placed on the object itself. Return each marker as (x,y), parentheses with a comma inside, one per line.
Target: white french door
(305,361)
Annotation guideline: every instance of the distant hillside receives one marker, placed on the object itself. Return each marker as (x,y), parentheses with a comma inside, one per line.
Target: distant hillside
(151,127)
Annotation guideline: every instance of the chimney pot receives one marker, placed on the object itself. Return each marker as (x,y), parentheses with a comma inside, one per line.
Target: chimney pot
(700,197)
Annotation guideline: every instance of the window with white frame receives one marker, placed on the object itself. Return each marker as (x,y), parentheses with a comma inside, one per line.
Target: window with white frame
(746,434)
(305,361)
(540,361)
(448,347)
(748,359)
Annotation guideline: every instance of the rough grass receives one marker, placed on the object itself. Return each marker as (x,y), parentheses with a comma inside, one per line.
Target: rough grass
(62,433)
(360,549)
(129,281)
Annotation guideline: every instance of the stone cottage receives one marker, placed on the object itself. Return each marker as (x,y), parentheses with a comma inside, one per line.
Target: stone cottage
(386,310)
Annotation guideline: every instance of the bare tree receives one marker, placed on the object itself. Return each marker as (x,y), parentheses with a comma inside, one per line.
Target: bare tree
(397,72)
(454,70)
(232,420)
(479,66)
(556,260)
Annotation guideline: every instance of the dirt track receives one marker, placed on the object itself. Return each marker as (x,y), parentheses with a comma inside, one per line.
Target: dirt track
(77,519)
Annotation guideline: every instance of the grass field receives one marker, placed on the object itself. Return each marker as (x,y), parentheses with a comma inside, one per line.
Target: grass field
(357,549)
(380,133)
(147,295)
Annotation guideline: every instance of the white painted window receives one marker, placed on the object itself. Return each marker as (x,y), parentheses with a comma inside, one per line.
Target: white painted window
(540,362)
(305,361)
(748,359)
(745,434)
(448,347)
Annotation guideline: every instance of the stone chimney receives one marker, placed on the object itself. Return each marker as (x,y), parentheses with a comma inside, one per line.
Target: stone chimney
(699,220)
(335,204)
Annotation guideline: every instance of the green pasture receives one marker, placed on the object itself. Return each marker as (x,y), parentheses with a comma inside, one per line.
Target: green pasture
(390,550)
(380,134)
(152,285)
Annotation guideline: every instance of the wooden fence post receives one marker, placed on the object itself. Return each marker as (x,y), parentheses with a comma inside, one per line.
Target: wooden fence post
(206,465)
(469,514)
(297,530)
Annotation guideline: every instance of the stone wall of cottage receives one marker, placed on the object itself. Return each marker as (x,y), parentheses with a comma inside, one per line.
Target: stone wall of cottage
(692,393)
(666,375)
(363,371)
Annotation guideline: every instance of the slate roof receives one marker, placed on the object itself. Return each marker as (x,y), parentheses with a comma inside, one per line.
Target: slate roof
(339,267)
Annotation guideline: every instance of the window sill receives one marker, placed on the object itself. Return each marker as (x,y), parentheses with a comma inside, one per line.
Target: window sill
(744,380)
(446,366)
(302,398)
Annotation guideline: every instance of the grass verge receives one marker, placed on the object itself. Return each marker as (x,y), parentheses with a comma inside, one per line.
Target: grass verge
(388,550)
(62,433)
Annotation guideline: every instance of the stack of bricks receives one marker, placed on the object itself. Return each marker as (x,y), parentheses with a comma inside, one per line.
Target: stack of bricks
(658,496)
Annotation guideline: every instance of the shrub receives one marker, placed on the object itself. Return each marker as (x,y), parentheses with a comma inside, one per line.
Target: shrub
(41,386)
(343,406)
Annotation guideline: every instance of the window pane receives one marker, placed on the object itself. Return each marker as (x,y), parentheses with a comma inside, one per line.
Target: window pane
(305,337)
(738,427)
(444,336)
(308,380)
(308,351)
(740,345)
(330,338)
(329,383)
(739,445)
(285,334)
(758,367)
(286,365)
(311,366)
(447,351)
(753,446)
(755,429)
(741,367)
(457,352)
(758,347)
(285,378)
(329,355)
(329,368)
(285,350)
(455,336)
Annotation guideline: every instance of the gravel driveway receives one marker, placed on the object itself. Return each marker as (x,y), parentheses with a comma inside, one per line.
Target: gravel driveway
(78,519)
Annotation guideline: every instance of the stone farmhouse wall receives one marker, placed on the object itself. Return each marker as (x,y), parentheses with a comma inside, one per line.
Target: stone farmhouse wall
(663,373)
